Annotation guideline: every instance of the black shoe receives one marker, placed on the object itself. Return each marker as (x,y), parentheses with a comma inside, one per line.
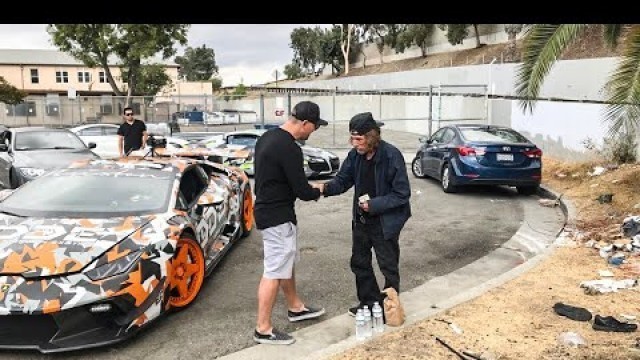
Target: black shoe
(609,323)
(354,310)
(572,312)
(275,338)
(308,313)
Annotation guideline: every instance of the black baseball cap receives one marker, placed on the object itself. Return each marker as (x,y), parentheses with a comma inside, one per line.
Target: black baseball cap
(362,123)
(308,110)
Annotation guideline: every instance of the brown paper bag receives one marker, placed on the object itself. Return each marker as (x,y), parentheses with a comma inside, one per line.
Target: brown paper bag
(393,310)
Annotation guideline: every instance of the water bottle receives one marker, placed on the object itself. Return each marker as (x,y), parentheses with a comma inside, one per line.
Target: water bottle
(368,322)
(378,320)
(360,325)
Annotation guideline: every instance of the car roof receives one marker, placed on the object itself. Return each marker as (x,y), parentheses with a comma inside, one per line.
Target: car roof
(257,132)
(36,128)
(133,163)
(80,127)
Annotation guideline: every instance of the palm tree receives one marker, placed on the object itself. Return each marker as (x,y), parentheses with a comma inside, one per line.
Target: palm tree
(544,43)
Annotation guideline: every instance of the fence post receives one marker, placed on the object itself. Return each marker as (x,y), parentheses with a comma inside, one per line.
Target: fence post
(334,115)
(430,116)
(288,103)
(262,109)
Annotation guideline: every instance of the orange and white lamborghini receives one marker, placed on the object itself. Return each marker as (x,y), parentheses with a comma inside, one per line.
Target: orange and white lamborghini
(91,254)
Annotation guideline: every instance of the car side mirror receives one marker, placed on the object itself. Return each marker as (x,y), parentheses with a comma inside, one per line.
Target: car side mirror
(423,139)
(92,145)
(4,147)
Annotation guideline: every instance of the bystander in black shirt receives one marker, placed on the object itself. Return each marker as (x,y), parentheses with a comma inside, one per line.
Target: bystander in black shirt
(279,179)
(132,134)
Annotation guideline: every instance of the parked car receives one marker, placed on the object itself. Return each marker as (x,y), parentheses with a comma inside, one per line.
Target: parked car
(105,136)
(317,162)
(28,152)
(95,253)
(201,137)
(479,155)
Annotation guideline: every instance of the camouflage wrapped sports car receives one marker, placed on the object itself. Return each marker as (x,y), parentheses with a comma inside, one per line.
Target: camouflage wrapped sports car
(93,253)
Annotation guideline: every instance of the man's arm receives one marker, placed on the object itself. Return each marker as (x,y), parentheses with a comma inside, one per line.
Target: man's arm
(400,189)
(145,136)
(121,145)
(296,177)
(343,180)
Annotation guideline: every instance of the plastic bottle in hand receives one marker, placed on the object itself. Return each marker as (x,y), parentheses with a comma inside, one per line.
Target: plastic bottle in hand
(378,320)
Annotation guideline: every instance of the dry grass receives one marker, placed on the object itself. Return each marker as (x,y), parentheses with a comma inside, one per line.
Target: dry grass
(516,320)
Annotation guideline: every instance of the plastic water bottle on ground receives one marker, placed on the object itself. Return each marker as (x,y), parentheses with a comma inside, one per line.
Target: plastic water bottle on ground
(378,320)
(360,324)
(368,322)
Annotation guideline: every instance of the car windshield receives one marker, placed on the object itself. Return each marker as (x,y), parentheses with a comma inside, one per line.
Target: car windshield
(93,193)
(242,140)
(493,135)
(47,140)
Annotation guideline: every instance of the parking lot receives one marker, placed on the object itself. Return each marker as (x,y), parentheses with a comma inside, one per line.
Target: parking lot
(446,232)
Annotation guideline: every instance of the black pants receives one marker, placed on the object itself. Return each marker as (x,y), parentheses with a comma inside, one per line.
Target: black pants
(365,237)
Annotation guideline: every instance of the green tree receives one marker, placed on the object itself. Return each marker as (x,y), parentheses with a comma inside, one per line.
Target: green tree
(293,71)
(240,91)
(416,34)
(305,43)
(383,35)
(197,63)
(150,79)
(10,94)
(456,33)
(132,44)
(216,83)
(543,45)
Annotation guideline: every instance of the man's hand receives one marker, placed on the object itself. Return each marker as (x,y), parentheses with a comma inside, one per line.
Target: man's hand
(319,186)
(364,206)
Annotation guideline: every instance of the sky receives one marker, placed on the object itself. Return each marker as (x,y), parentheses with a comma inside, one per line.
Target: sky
(247,53)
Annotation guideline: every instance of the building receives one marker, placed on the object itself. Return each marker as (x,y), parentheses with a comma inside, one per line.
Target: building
(62,90)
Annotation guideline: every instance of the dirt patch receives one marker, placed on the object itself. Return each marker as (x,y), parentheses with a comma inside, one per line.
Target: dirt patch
(516,320)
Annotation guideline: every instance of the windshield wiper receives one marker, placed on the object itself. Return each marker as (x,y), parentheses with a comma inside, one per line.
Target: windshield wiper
(58,148)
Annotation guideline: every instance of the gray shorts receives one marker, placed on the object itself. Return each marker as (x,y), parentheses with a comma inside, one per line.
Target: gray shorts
(280,251)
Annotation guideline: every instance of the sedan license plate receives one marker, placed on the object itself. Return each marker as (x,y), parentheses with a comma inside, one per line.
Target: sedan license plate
(504,157)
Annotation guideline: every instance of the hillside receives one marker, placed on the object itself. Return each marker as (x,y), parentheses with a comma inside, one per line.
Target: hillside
(591,45)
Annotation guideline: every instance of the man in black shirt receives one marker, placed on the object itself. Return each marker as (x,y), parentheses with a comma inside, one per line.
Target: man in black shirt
(132,134)
(380,206)
(279,181)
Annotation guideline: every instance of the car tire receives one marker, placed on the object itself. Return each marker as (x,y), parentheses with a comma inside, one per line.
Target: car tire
(527,190)
(246,212)
(445,179)
(416,168)
(183,292)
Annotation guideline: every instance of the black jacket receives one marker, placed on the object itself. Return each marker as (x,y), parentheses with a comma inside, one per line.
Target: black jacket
(392,186)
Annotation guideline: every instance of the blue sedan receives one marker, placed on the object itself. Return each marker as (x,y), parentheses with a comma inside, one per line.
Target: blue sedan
(458,155)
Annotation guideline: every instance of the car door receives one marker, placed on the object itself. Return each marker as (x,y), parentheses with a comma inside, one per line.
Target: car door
(6,159)
(442,150)
(429,157)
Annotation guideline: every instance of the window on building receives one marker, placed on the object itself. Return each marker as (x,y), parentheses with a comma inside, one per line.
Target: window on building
(35,79)
(62,77)
(84,77)
(103,77)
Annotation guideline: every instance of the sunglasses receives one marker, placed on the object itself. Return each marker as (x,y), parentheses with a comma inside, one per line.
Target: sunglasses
(317,126)
(128,114)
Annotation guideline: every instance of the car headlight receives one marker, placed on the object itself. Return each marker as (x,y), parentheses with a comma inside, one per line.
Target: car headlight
(115,267)
(31,172)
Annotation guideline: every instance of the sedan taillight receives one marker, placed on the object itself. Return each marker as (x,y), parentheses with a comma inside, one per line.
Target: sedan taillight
(466,151)
(534,154)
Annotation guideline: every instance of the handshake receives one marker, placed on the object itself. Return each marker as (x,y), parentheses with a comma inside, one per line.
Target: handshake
(319,186)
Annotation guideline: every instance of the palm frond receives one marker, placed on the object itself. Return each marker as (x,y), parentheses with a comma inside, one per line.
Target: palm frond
(543,45)
(612,34)
(623,89)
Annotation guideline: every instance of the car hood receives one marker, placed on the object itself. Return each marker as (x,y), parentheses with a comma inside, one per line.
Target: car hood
(34,247)
(51,159)
(224,152)
(317,152)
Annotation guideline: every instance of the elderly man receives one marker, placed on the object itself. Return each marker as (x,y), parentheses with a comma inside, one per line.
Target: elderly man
(380,206)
